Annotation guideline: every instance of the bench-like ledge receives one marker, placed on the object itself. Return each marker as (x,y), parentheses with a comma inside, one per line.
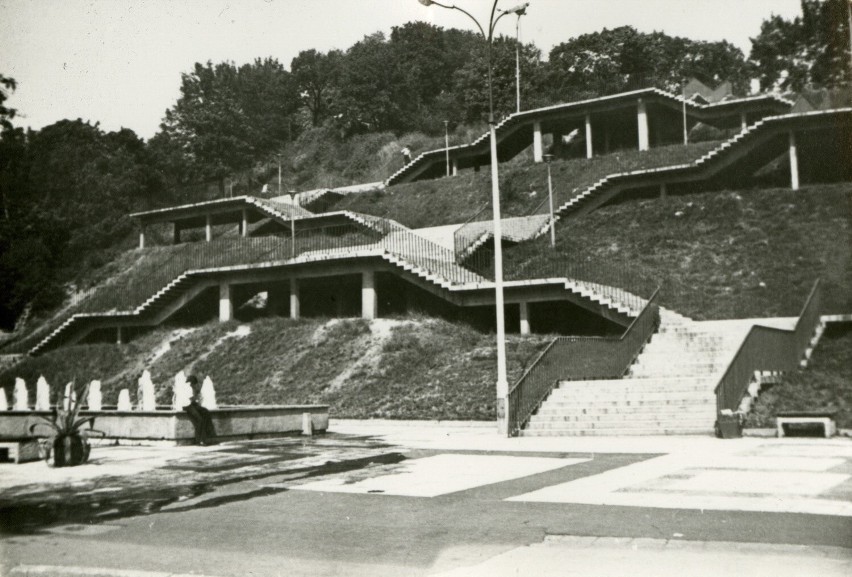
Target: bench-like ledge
(821,417)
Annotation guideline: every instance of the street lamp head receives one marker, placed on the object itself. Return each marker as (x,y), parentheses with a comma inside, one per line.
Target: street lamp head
(425,2)
(520,9)
(547,158)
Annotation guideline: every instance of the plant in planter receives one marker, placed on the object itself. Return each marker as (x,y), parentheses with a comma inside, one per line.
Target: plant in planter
(68,440)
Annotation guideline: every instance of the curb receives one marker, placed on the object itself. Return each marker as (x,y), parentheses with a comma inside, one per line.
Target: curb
(409,423)
(73,571)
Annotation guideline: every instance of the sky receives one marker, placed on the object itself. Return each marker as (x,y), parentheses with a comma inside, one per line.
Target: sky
(118,62)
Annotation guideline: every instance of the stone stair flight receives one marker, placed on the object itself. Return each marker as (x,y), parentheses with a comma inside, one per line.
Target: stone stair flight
(668,390)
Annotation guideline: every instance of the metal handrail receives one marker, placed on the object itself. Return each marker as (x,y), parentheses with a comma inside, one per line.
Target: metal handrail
(768,349)
(579,358)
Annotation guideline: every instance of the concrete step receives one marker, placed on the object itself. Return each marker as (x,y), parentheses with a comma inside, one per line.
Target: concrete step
(695,430)
(594,406)
(632,387)
(622,425)
(673,413)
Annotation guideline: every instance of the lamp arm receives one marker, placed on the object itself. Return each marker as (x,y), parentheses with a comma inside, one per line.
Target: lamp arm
(494,21)
(466,13)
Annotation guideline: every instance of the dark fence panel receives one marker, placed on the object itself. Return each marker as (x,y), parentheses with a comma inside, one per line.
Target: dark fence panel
(579,358)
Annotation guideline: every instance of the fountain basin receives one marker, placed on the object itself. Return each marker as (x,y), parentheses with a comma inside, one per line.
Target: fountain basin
(230,422)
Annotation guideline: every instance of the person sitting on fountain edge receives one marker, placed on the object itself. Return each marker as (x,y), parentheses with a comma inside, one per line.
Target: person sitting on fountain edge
(200,416)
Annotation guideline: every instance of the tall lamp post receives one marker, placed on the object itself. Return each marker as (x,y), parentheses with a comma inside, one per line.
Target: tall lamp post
(502,380)
(520,10)
(292,194)
(447,143)
(547,159)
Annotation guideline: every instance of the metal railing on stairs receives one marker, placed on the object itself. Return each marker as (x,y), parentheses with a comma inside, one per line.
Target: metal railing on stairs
(579,358)
(768,349)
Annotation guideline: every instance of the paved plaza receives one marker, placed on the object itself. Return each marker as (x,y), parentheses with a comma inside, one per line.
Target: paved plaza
(383,498)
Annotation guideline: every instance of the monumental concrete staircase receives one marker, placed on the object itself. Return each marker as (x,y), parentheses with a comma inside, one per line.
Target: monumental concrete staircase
(743,154)
(514,133)
(414,256)
(668,390)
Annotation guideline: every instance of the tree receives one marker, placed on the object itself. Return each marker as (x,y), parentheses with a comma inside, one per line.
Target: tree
(470,82)
(371,87)
(623,58)
(7,85)
(811,49)
(228,117)
(315,75)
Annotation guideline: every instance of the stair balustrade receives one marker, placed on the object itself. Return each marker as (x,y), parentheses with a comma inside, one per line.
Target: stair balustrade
(768,349)
(579,358)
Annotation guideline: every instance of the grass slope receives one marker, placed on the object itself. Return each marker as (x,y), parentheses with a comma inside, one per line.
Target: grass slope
(739,254)
(414,368)
(523,186)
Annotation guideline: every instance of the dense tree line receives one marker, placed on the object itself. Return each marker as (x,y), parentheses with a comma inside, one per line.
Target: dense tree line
(66,189)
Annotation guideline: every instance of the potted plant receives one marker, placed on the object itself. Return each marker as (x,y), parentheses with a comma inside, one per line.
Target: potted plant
(729,424)
(68,440)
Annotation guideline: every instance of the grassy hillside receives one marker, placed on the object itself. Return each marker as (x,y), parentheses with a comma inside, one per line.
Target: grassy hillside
(739,254)
(415,368)
(523,186)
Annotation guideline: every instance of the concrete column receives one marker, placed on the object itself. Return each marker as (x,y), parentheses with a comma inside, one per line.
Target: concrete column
(606,139)
(176,233)
(538,149)
(244,224)
(455,166)
(226,305)
(141,237)
(642,124)
(119,337)
(794,163)
(743,120)
(525,318)
(208,229)
(294,298)
(369,302)
(663,190)
(590,150)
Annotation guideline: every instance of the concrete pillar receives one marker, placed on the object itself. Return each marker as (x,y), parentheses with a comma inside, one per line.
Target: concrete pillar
(294,298)
(208,229)
(119,337)
(525,317)
(369,302)
(606,139)
(455,166)
(307,425)
(590,150)
(794,163)
(642,124)
(538,150)
(176,233)
(743,120)
(244,224)
(142,236)
(226,305)
(663,190)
